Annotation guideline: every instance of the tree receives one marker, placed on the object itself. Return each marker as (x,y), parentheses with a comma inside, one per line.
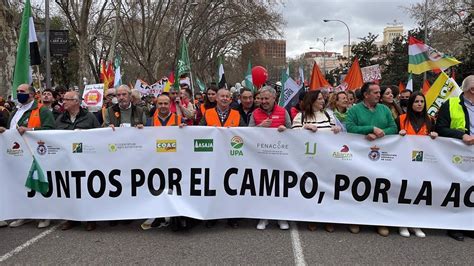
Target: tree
(8,48)
(366,50)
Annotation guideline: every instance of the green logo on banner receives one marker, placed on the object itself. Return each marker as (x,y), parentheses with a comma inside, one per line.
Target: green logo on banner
(203,145)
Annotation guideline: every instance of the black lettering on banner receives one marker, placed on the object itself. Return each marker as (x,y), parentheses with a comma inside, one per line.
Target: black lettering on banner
(32,193)
(287,183)
(156,172)
(268,185)
(227,188)
(467,197)
(173,183)
(403,191)
(90,184)
(339,187)
(366,192)
(454,189)
(194,181)
(62,183)
(425,188)
(208,192)
(314,185)
(78,175)
(248,183)
(137,183)
(114,182)
(382,186)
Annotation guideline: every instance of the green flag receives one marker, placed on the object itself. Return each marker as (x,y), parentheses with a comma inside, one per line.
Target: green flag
(36,179)
(22,73)
(284,78)
(201,85)
(248,78)
(184,66)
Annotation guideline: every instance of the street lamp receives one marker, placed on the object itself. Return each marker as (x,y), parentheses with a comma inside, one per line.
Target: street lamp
(348,35)
(324,41)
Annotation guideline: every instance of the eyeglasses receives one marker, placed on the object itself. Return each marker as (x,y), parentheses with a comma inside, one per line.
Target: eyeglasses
(69,99)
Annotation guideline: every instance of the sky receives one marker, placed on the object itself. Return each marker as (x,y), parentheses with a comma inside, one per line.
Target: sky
(304,22)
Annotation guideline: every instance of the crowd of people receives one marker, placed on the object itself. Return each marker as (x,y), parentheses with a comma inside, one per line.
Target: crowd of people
(374,111)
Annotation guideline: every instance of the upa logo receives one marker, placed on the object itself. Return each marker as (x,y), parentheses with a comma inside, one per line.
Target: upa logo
(203,145)
(236,143)
(166,145)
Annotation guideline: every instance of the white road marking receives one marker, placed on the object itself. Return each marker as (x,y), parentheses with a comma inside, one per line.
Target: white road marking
(296,244)
(28,243)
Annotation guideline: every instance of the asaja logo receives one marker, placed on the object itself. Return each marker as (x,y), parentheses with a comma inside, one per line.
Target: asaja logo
(457,159)
(41,149)
(374,153)
(77,148)
(203,145)
(112,147)
(166,145)
(417,156)
(343,154)
(236,143)
(15,150)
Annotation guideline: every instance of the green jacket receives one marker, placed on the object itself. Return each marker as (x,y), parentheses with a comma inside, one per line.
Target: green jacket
(46,116)
(361,120)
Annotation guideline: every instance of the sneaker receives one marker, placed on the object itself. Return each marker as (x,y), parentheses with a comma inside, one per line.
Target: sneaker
(418,232)
(18,223)
(283,225)
(43,223)
(353,228)
(146,225)
(404,232)
(383,231)
(262,224)
(3,224)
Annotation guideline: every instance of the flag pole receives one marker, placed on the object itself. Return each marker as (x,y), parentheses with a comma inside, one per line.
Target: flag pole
(191,77)
(426,30)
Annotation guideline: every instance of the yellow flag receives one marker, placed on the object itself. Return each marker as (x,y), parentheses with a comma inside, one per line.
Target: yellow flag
(442,89)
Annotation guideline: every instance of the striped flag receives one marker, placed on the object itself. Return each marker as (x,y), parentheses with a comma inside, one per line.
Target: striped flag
(422,58)
(222,83)
(28,52)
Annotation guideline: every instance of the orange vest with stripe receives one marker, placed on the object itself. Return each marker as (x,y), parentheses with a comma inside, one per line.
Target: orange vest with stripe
(212,118)
(35,120)
(171,121)
(409,128)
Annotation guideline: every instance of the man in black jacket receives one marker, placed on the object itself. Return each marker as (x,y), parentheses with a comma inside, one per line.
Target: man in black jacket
(456,120)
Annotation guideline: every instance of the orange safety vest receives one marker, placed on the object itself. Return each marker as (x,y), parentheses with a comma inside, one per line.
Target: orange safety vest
(212,118)
(35,120)
(171,121)
(409,128)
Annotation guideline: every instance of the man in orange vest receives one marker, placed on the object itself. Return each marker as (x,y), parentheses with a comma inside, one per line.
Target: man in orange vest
(163,115)
(28,117)
(222,115)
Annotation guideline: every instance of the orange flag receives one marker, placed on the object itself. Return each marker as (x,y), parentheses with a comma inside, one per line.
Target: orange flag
(426,87)
(354,79)
(401,86)
(317,79)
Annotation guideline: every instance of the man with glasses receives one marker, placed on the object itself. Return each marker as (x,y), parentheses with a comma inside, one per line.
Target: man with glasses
(124,113)
(372,120)
(29,116)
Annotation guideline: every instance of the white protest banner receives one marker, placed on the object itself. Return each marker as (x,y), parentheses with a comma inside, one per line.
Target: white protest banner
(93,96)
(157,87)
(291,88)
(211,173)
(142,87)
(371,73)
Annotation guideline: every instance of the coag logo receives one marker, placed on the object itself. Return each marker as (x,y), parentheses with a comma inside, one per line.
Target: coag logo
(203,145)
(417,156)
(77,148)
(374,153)
(236,143)
(166,145)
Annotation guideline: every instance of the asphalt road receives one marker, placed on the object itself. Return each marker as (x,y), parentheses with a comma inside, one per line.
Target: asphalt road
(128,244)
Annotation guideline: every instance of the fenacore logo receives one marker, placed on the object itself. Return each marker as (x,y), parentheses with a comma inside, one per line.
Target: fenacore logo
(77,148)
(112,147)
(343,154)
(374,153)
(15,150)
(310,148)
(417,156)
(203,145)
(41,149)
(236,143)
(166,145)
(273,148)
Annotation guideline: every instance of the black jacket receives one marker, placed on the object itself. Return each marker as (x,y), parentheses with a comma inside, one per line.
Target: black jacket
(443,123)
(84,120)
